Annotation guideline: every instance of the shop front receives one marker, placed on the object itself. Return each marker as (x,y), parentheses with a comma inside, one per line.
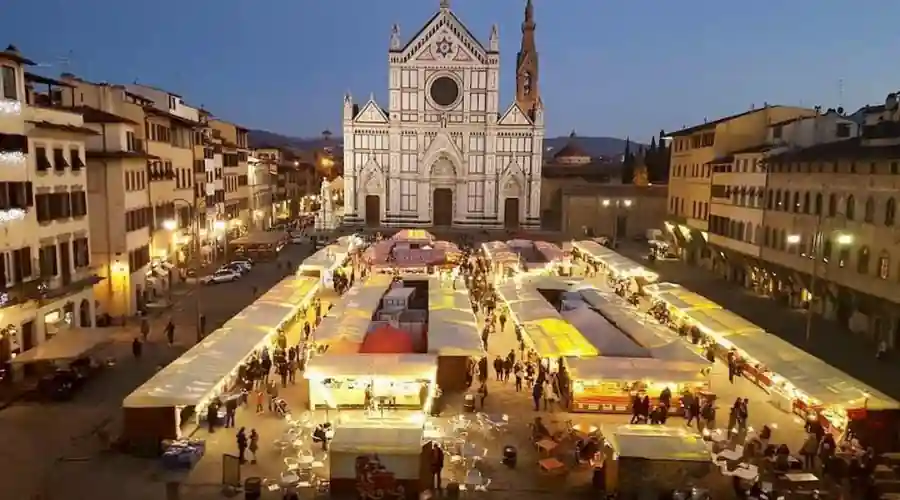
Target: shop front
(365,381)
(607,385)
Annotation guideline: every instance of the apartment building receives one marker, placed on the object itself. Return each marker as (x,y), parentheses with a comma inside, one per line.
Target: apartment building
(295,175)
(209,175)
(231,141)
(261,180)
(694,152)
(46,278)
(118,181)
(170,127)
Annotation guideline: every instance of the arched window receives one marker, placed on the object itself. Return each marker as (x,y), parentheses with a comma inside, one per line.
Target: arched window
(795,203)
(884,265)
(777,199)
(767,236)
(832,205)
(739,232)
(806,202)
(817,205)
(890,212)
(770,199)
(850,208)
(862,260)
(781,242)
(870,210)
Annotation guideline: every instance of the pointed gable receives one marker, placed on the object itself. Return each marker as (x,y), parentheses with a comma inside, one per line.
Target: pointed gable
(445,24)
(371,113)
(515,116)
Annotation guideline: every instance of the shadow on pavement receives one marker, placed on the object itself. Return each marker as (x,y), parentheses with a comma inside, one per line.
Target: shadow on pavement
(829,341)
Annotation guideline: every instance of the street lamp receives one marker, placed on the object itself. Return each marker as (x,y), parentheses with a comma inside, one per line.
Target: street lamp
(842,239)
(170,224)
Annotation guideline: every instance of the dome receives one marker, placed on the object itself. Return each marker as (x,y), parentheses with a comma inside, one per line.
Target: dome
(387,340)
(571,150)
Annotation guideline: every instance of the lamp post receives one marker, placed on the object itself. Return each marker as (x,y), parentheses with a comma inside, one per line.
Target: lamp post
(818,247)
(172,225)
(617,205)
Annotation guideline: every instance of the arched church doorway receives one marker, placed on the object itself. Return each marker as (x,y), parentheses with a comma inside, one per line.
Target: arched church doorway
(511,213)
(443,207)
(373,210)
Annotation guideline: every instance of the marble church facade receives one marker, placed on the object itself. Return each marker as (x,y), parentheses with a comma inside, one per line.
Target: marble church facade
(443,152)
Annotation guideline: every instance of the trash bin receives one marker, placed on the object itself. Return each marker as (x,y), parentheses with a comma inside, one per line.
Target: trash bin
(252,488)
(510,456)
(469,403)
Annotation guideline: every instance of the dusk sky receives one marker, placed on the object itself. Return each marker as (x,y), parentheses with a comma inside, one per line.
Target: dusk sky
(613,68)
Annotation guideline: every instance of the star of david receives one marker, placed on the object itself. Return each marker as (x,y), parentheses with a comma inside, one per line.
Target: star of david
(444,47)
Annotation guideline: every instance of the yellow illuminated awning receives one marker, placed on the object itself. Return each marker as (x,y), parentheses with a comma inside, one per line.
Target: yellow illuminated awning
(555,337)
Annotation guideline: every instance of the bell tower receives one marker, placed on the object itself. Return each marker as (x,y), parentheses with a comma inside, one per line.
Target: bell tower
(528,94)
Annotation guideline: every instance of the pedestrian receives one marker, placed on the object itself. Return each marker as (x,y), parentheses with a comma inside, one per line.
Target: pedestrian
(230,411)
(145,328)
(437,465)
(254,444)
(519,375)
(259,400)
(292,370)
(483,394)
(137,348)
(502,321)
(808,450)
(536,395)
(170,332)
(242,445)
(498,369)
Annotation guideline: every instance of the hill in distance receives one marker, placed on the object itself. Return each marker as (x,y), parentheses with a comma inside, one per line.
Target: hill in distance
(594,146)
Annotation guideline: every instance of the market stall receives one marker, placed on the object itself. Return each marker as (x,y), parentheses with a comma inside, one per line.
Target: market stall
(345,326)
(67,346)
(379,461)
(503,260)
(181,390)
(414,236)
(393,380)
(603,335)
(619,267)
(453,333)
(606,384)
(325,261)
(640,327)
(648,460)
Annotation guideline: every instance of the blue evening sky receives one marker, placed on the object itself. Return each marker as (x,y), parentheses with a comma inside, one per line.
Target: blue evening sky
(618,68)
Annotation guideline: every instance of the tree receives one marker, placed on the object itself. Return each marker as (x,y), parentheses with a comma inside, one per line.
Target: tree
(628,164)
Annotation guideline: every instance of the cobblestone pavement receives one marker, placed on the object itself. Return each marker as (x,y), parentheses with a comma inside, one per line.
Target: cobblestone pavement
(52,450)
(830,342)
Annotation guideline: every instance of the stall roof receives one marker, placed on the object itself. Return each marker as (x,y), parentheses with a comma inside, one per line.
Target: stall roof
(452,326)
(722,321)
(656,442)
(557,283)
(592,249)
(808,373)
(291,291)
(377,438)
(549,250)
(603,335)
(684,300)
(396,366)
(413,235)
(632,369)
(67,345)
(349,320)
(655,338)
(525,302)
(498,251)
(326,258)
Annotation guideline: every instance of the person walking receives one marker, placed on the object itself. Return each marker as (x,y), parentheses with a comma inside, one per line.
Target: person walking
(137,348)
(170,332)
(254,444)
(145,329)
(241,438)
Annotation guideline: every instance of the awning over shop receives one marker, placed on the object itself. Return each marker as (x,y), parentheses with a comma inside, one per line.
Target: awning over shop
(67,345)
(349,320)
(452,326)
(389,366)
(205,368)
(655,338)
(809,374)
(634,369)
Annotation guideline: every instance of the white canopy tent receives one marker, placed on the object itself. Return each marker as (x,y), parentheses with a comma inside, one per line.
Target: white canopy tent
(349,320)
(617,263)
(386,366)
(326,259)
(452,326)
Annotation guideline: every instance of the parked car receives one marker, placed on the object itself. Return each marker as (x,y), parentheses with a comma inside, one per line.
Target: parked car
(245,263)
(241,270)
(221,276)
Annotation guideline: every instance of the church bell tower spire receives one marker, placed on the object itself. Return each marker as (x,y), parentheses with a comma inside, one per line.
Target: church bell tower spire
(527,90)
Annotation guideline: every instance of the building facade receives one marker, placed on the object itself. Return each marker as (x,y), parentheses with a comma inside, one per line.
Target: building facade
(46,274)
(443,152)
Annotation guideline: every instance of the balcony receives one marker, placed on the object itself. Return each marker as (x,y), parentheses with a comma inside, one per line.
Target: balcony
(137,146)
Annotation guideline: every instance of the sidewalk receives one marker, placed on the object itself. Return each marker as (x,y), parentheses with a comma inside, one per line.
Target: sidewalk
(829,342)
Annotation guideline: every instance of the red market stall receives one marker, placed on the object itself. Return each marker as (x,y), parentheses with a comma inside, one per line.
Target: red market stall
(387,339)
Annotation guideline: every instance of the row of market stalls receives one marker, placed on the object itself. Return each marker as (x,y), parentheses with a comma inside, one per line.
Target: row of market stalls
(795,380)
(179,393)
(158,409)
(523,256)
(412,252)
(618,266)
(453,333)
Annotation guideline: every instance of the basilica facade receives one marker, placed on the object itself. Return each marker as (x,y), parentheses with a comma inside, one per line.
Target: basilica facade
(443,152)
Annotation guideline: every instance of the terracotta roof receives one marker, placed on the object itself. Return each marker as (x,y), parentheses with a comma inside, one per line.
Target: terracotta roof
(712,124)
(72,129)
(94,115)
(120,154)
(43,80)
(158,112)
(850,149)
(571,150)
(12,53)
